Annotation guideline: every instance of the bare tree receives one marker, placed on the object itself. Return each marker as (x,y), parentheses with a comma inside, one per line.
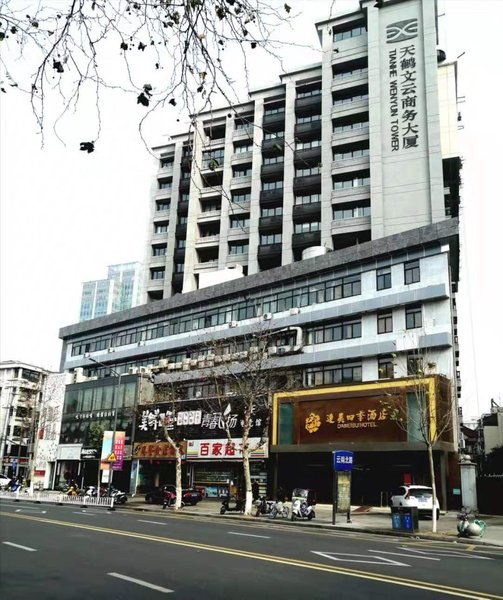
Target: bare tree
(169,395)
(426,412)
(170,52)
(245,373)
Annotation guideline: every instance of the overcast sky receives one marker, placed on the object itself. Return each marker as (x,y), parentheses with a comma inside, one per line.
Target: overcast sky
(66,215)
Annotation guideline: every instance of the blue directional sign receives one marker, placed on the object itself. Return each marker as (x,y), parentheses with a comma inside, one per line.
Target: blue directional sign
(343,460)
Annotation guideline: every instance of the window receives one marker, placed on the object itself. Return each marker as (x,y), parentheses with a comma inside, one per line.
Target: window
(335,332)
(159,250)
(274,111)
(211,205)
(385,367)
(166,162)
(340,100)
(270,238)
(272,135)
(272,185)
(385,323)
(243,125)
(212,159)
(242,148)
(241,197)
(308,93)
(157,273)
(307,145)
(161,227)
(272,160)
(411,272)
(353,212)
(161,205)
(242,171)
(182,220)
(346,34)
(309,199)
(341,75)
(338,373)
(352,183)
(181,243)
(238,247)
(184,197)
(307,171)
(339,127)
(307,227)
(179,267)
(415,365)
(383,278)
(345,155)
(308,119)
(413,317)
(276,211)
(185,175)
(240,222)
(165,184)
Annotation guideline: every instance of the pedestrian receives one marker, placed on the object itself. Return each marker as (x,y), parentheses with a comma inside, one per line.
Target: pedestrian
(255,490)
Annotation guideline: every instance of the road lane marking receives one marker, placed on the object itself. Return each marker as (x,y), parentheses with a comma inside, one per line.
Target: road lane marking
(289,562)
(357,558)
(265,537)
(29,509)
(448,553)
(146,584)
(83,512)
(27,548)
(405,555)
(153,522)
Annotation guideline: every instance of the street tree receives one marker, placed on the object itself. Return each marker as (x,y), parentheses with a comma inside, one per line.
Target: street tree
(423,414)
(162,53)
(245,372)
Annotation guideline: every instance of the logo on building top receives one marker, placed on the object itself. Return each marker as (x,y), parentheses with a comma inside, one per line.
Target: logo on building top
(401,30)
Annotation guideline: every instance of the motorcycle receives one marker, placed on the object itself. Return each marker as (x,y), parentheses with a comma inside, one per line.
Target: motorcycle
(280,509)
(118,496)
(232,504)
(303,503)
(263,506)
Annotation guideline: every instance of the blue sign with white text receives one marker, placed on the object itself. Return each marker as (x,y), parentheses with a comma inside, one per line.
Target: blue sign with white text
(343,460)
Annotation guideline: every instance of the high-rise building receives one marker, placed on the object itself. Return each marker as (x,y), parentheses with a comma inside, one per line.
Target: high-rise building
(357,147)
(119,291)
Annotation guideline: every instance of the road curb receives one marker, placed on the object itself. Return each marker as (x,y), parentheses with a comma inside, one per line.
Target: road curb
(439,537)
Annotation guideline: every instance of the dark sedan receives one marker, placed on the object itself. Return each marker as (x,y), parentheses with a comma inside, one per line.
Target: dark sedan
(167,494)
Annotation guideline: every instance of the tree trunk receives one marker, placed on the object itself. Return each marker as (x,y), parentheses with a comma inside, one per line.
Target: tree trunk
(433,490)
(246,471)
(178,501)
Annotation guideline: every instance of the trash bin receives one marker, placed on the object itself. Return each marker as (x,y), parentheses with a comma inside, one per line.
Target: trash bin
(404,518)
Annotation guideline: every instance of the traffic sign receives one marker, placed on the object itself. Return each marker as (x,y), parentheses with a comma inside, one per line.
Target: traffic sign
(112,457)
(343,460)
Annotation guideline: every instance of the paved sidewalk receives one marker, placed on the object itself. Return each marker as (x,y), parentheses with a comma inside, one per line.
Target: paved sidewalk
(376,520)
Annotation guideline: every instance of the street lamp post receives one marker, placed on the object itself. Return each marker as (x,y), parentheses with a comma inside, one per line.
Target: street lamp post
(115,394)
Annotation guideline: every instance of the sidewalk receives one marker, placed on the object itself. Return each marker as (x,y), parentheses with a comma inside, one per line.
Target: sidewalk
(373,520)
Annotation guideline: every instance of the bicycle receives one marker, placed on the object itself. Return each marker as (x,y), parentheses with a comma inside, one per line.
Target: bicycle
(467,528)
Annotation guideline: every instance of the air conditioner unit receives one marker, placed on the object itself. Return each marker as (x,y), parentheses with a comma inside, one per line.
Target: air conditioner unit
(79,375)
(233,323)
(163,363)
(179,365)
(284,349)
(193,362)
(186,361)
(243,354)
(218,359)
(253,350)
(201,358)
(295,310)
(132,370)
(185,367)
(198,394)
(111,349)
(235,355)
(143,370)
(209,363)
(227,357)
(272,351)
(267,316)
(141,343)
(171,366)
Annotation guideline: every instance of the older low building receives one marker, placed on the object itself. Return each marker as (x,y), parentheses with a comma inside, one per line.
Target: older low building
(359,318)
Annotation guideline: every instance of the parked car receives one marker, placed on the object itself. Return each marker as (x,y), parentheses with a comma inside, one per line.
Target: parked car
(190,496)
(420,496)
(4,481)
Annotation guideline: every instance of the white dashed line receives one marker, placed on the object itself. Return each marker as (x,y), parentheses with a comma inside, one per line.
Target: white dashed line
(19,546)
(265,537)
(152,586)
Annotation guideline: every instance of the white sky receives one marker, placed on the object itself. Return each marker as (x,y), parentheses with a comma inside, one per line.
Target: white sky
(66,215)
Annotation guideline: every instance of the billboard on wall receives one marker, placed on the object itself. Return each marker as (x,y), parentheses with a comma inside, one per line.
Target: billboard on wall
(193,421)
(225,449)
(360,419)
(157,450)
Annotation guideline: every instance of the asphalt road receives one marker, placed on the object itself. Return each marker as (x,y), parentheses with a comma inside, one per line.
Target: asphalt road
(59,552)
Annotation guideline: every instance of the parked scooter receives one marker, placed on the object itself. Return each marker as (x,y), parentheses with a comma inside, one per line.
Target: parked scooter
(303,503)
(467,528)
(118,496)
(232,504)
(280,509)
(263,506)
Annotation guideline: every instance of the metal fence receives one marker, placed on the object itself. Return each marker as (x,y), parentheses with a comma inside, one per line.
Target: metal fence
(24,495)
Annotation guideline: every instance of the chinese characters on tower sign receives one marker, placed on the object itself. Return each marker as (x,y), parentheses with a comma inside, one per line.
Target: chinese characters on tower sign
(403,97)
